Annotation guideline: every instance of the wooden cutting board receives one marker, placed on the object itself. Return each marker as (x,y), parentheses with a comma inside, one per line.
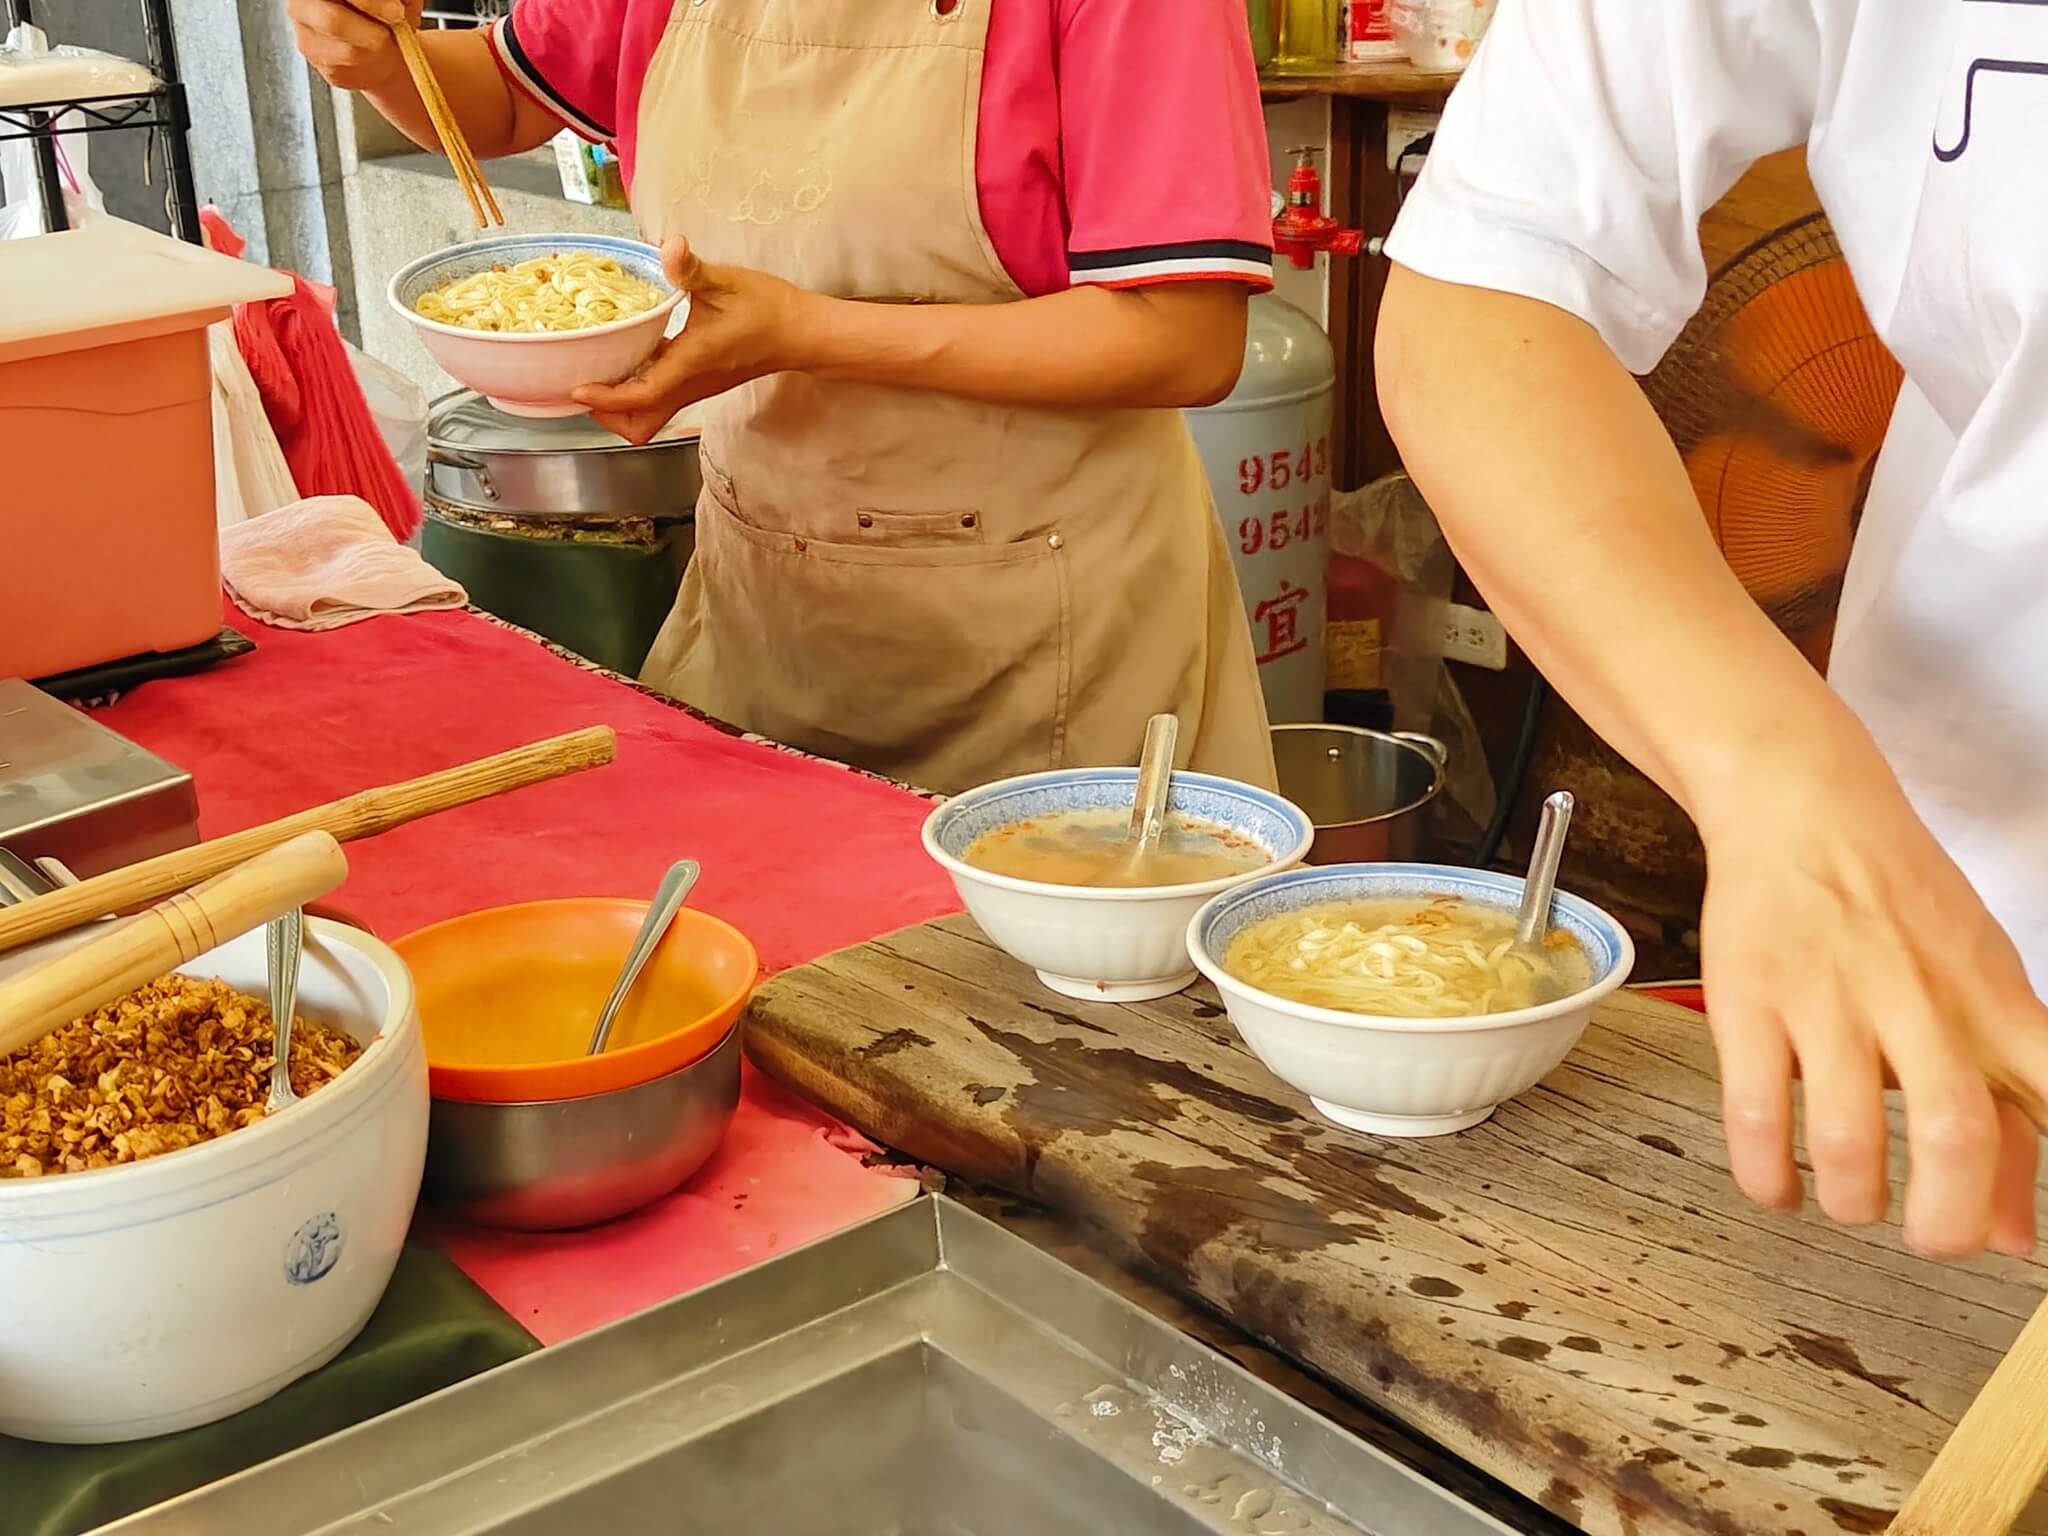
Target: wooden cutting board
(1571,1296)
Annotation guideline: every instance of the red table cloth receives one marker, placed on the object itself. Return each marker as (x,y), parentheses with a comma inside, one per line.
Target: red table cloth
(802,856)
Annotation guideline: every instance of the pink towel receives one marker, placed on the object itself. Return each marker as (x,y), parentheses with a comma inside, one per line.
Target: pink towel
(325,562)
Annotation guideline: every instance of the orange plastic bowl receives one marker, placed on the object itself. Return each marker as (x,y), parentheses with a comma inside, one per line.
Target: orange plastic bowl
(508,997)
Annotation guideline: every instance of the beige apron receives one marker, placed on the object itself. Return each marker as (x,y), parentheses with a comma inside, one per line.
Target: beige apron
(931,588)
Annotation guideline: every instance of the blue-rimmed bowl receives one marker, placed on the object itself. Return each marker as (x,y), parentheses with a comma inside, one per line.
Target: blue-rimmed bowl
(1099,943)
(1404,1077)
(533,373)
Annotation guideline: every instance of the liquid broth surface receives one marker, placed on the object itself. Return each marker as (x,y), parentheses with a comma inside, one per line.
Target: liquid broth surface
(1088,848)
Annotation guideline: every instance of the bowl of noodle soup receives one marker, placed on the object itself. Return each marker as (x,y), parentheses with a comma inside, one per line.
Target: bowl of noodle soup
(1390,994)
(525,320)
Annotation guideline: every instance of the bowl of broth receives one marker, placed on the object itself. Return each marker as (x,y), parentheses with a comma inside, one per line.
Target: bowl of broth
(1041,864)
(1392,994)
(508,997)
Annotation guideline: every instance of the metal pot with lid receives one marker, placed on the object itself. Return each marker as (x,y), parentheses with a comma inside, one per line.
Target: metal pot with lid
(560,527)
(481,460)
(1368,792)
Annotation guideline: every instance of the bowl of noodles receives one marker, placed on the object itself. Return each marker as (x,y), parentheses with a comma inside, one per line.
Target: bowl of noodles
(1392,995)
(525,320)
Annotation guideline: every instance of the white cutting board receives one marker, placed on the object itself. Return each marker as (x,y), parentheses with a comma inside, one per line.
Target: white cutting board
(114,280)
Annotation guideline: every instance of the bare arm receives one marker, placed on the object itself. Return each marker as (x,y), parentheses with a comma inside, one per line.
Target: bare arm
(1174,344)
(1840,943)
(352,47)
(1566,501)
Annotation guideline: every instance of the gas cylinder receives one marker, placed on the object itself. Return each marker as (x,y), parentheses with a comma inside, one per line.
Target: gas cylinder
(1266,449)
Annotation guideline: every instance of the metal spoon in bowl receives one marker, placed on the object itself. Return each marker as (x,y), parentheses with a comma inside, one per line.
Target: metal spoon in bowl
(1539,891)
(284,940)
(1155,786)
(669,897)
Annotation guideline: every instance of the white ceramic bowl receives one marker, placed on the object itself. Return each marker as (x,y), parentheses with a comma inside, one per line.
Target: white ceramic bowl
(1404,1077)
(533,374)
(177,1290)
(1102,945)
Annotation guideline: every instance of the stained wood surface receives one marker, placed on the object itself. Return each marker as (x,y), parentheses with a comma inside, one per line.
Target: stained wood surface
(1572,1296)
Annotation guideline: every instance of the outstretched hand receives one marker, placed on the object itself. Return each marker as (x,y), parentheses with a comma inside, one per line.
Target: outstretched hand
(742,325)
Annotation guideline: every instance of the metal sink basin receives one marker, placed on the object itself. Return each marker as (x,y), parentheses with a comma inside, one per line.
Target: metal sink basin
(922,1374)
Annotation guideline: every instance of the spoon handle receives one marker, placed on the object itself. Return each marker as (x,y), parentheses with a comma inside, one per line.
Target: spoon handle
(1155,779)
(1541,885)
(284,942)
(669,897)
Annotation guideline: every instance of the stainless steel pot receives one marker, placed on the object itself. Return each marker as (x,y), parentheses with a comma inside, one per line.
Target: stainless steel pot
(554,1165)
(482,460)
(1367,792)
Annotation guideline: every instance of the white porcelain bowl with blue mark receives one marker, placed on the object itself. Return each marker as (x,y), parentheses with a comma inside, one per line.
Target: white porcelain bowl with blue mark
(172,1292)
(1103,944)
(533,373)
(1404,1077)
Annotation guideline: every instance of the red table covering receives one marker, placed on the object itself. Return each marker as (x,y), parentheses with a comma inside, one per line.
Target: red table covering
(802,856)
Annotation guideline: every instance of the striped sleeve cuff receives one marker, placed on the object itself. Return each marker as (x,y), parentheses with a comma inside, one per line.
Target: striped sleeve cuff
(1239,261)
(519,69)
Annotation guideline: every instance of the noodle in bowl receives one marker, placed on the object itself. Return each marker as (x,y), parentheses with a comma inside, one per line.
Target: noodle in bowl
(1424,1067)
(527,286)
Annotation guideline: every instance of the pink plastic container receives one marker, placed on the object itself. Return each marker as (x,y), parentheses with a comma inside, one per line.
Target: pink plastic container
(110,532)
(107,540)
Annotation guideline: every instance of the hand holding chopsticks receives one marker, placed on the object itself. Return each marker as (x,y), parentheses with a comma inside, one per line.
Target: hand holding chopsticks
(448,128)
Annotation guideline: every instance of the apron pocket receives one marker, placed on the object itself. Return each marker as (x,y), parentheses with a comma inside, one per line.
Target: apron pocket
(917,530)
(918,649)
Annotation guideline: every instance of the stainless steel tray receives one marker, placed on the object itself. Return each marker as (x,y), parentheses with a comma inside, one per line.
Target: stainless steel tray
(922,1374)
(73,790)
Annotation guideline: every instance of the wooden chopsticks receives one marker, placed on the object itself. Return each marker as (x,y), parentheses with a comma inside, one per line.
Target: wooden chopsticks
(448,129)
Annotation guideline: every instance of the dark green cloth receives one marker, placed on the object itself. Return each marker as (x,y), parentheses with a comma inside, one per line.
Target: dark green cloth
(433,1328)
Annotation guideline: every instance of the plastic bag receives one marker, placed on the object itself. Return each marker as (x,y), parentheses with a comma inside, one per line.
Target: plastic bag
(31,70)
(399,407)
(21,206)
(1388,529)
(21,198)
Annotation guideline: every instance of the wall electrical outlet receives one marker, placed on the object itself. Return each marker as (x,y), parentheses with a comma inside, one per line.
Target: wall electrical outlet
(1475,637)
(1404,127)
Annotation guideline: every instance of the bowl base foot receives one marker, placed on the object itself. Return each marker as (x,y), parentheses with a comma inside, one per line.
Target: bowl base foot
(538,411)
(1401,1125)
(1116,991)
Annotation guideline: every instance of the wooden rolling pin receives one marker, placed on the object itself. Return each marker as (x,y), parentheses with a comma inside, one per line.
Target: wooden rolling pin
(125,955)
(359,815)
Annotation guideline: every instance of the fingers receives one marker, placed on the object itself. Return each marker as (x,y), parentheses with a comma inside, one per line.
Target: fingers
(1756,1103)
(2012,1190)
(341,41)
(1847,1135)
(685,270)
(659,378)
(1952,1131)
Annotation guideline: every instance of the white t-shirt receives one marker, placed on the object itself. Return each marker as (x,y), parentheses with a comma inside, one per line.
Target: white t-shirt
(1573,166)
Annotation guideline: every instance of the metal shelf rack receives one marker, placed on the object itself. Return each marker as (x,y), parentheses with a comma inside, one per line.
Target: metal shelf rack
(162,111)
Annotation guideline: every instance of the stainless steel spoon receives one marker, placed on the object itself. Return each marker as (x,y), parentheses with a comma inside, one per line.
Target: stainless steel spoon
(1155,786)
(668,901)
(284,941)
(1539,890)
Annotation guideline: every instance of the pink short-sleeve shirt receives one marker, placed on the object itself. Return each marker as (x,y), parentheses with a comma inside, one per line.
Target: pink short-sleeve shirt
(1122,142)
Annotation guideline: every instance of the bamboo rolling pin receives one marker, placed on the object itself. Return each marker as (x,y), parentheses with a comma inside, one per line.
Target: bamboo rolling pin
(124,956)
(359,815)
